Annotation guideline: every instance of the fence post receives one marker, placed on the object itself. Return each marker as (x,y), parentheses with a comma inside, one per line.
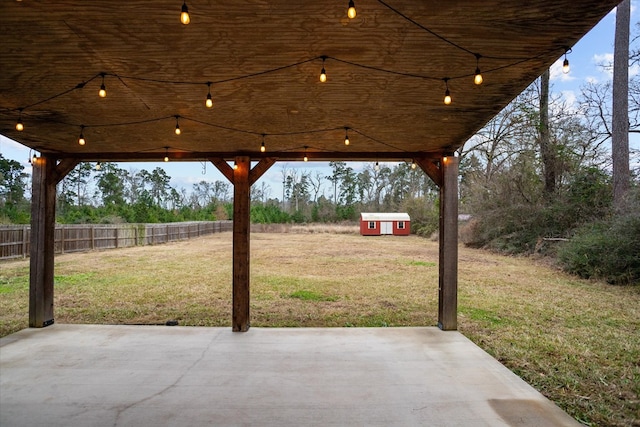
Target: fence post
(61,239)
(24,242)
(92,235)
(117,228)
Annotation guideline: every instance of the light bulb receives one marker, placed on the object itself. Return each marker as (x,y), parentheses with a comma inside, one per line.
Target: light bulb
(184,15)
(323,73)
(413,165)
(477,79)
(305,158)
(98,166)
(166,158)
(235,166)
(376,167)
(209,101)
(565,66)
(178,131)
(81,139)
(447,97)
(34,159)
(19,125)
(263,148)
(103,90)
(346,140)
(351,12)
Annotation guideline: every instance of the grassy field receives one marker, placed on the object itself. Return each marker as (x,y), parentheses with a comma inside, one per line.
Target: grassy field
(578,342)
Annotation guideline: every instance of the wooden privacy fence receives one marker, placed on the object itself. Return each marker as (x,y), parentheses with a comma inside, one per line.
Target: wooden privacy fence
(15,240)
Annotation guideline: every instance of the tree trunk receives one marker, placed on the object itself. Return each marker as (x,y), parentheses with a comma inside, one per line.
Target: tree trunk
(620,118)
(546,150)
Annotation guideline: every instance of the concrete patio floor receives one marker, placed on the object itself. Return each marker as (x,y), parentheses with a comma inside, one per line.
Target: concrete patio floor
(95,375)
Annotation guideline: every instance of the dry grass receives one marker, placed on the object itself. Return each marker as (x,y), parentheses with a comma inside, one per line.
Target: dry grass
(578,342)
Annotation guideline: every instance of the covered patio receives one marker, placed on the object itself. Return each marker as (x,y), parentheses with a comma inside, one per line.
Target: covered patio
(98,375)
(243,85)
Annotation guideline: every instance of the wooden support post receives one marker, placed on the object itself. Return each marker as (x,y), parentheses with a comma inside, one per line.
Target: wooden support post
(242,177)
(43,201)
(241,228)
(448,263)
(46,174)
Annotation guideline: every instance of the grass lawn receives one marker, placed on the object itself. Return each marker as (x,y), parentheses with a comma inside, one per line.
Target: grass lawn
(578,342)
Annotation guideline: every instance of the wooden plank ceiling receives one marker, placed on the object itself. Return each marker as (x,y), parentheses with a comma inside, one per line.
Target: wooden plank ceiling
(385,72)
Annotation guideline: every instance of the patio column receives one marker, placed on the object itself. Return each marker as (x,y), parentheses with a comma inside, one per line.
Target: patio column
(448,254)
(46,174)
(43,201)
(241,230)
(242,177)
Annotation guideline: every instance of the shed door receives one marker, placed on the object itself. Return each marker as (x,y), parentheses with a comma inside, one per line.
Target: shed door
(386,227)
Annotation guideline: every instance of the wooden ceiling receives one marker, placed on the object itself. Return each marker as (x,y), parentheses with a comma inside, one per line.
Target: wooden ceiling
(263,58)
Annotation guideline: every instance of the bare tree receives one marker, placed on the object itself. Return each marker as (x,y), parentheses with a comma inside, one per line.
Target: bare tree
(547,152)
(620,116)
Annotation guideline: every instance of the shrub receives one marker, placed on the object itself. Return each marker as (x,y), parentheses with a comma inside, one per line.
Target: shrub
(607,249)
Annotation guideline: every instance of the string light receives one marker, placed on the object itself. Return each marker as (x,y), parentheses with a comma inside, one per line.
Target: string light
(565,63)
(305,158)
(103,90)
(447,94)
(81,139)
(323,73)
(34,158)
(376,167)
(235,165)
(166,154)
(19,125)
(262,147)
(413,164)
(178,131)
(346,136)
(209,101)
(98,166)
(351,12)
(184,15)
(477,78)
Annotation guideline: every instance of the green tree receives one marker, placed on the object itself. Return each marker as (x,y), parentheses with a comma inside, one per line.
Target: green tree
(12,182)
(111,187)
(13,204)
(157,184)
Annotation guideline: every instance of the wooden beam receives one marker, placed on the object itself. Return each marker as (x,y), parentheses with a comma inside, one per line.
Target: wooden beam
(432,169)
(259,169)
(223,167)
(448,253)
(318,156)
(63,168)
(241,228)
(43,201)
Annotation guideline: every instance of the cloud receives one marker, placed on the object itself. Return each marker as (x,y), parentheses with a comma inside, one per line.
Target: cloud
(570,99)
(604,63)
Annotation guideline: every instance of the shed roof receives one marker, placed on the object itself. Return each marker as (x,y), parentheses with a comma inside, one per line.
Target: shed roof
(387,73)
(384,216)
